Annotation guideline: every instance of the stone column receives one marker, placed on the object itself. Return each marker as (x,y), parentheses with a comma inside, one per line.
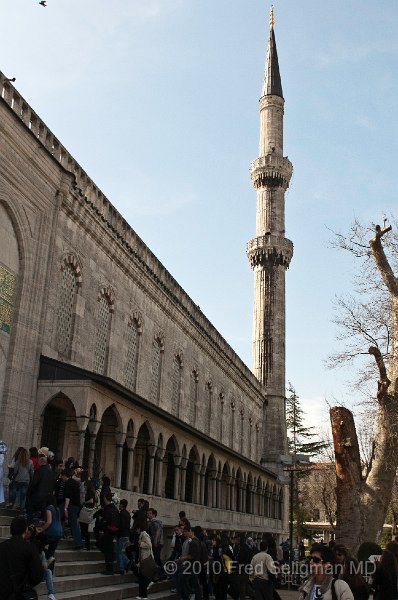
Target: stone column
(243,490)
(202,485)
(131,442)
(159,471)
(213,476)
(196,492)
(151,472)
(183,478)
(82,423)
(177,467)
(233,493)
(120,438)
(229,492)
(93,428)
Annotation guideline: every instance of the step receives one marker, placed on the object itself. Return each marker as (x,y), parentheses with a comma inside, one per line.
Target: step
(70,583)
(112,592)
(68,555)
(78,568)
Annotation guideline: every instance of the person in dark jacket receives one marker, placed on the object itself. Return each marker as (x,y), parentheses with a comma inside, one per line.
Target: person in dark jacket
(111,525)
(105,487)
(72,508)
(189,579)
(39,488)
(20,563)
(122,537)
(243,556)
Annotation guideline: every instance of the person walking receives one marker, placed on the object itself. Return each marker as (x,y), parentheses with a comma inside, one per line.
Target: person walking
(263,573)
(347,568)
(20,564)
(385,578)
(72,508)
(243,557)
(123,537)
(111,525)
(52,527)
(321,583)
(23,474)
(156,533)
(86,515)
(190,559)
(145,554)
(40,487)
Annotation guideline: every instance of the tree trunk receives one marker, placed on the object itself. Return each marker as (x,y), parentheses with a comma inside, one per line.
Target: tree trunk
(362,502)
(348,478)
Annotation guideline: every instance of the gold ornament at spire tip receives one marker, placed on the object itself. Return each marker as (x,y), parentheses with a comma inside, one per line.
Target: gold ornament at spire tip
(271,17)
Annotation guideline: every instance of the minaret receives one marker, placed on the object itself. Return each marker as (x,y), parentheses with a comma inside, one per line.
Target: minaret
(269,254)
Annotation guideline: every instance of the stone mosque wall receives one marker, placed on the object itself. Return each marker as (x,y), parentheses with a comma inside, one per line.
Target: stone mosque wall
(104,355)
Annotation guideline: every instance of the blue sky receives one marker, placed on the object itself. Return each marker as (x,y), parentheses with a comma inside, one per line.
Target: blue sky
(158,102)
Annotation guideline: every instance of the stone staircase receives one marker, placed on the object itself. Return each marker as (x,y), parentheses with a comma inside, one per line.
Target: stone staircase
(78,574)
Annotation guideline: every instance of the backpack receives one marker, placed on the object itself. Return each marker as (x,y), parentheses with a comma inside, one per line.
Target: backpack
(114,522)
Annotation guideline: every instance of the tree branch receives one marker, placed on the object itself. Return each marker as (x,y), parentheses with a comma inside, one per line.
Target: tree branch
(382,263)
(384,383)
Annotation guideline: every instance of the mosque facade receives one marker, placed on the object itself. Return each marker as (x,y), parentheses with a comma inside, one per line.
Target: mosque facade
(104,357)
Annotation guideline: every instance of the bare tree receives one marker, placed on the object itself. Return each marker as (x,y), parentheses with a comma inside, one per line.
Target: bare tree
(371,325)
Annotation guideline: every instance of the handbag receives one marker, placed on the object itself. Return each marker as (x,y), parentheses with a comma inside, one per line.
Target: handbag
(11,473)
(86,515)
(148,567)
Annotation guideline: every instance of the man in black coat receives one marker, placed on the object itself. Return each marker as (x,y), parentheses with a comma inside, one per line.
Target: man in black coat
(39,488)
(19,561)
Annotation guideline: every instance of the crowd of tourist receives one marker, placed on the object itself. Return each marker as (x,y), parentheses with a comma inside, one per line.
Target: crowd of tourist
(56,498)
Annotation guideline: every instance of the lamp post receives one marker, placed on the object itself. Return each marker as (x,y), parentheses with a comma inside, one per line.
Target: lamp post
(290,462)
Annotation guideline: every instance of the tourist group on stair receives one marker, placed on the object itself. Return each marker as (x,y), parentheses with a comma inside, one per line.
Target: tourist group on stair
(56,498)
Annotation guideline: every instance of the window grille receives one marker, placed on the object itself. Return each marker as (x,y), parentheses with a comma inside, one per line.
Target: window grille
(176,386)
(67,299)
(101,344)
(156,365)
(193,399)
(132,355)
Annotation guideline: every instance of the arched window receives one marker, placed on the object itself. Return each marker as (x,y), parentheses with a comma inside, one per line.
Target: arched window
(176,385)
(102,338)
(157,351)
(133,334)
(193,396)
(66,306)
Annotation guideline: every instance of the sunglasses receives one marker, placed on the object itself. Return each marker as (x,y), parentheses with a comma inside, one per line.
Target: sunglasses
(315,559)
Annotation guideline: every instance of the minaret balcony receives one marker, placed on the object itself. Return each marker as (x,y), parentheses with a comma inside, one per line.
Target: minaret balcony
(271,171)
(269,249)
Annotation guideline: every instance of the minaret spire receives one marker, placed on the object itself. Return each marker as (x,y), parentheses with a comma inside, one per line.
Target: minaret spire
(270,253)
(272,80)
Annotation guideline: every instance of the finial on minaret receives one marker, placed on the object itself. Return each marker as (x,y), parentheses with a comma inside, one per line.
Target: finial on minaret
(271,17)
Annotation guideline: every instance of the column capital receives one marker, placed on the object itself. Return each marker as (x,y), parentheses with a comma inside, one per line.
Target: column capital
(120,438)
(93,427)
(82,423)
